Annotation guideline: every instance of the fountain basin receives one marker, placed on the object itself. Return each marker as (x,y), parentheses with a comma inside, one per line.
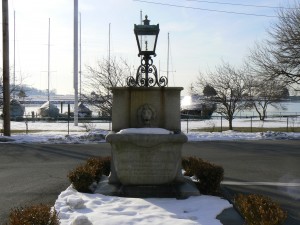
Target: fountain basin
(145,159)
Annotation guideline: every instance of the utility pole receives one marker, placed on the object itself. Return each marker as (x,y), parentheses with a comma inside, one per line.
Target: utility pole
(6,91)
(76,62)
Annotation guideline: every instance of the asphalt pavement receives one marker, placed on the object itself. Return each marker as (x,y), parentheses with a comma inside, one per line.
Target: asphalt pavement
(37,173)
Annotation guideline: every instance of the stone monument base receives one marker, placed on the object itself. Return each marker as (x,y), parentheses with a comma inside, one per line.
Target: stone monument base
(179,190)
(147,166)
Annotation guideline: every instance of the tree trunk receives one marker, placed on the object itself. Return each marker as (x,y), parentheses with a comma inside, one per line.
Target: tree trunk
(258,112)
(260,116)
(263,115)
(230,123)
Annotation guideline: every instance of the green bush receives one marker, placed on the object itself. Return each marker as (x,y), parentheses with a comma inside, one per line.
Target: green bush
(83,176)
(33,215)
(259,210)
(207,175)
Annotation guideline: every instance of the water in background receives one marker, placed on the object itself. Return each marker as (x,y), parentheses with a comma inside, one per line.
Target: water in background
(285,108)
(289,108)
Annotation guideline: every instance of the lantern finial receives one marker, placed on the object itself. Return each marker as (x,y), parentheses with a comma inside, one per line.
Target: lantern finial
(146,21)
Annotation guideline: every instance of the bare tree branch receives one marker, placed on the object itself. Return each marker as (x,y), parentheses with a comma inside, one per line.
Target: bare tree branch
(229,85)
(101,78)
(279,57)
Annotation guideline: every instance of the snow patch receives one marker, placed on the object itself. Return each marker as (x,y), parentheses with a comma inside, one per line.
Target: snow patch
(110,210)
(145,131)
(75,202)
(81,220)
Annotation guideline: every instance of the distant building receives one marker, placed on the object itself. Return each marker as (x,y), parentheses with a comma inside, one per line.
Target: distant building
(84,111)
(48,110)
(16,109)
(195,105)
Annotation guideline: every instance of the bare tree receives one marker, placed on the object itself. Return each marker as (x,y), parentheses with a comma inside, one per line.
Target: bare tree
(279,57)
(12,89)
(263,93)
(101,78)
(230,88)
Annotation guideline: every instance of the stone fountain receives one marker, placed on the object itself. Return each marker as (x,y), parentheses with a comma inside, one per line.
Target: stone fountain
(146,138)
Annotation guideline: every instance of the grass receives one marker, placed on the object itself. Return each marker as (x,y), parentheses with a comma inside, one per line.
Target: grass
(248,129)
(204,129)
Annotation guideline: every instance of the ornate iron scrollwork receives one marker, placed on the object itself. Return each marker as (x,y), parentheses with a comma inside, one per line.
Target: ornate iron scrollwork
(146,75)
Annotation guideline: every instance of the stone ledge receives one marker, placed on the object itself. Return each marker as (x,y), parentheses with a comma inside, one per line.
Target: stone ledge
(179,190)
(113,137)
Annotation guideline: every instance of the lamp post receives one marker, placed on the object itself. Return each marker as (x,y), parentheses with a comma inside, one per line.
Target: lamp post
(146,38)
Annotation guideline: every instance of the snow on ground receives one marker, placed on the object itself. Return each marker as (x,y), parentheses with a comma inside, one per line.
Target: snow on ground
(78,208)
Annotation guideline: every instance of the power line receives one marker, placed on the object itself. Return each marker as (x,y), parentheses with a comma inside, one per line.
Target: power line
(237,4)
(203,9)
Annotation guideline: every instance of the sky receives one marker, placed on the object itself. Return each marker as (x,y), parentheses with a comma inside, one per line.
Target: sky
(200,37)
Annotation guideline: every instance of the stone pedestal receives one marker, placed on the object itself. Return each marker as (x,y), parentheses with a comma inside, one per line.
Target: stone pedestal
(164,102)
(147,165)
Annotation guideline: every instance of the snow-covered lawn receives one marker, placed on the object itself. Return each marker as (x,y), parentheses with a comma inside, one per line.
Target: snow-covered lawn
(57,132)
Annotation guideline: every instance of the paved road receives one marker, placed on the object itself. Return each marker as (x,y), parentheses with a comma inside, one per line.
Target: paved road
(271,168)
(34,173)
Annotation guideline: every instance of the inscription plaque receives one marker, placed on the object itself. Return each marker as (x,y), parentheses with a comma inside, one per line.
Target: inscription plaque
(140,159)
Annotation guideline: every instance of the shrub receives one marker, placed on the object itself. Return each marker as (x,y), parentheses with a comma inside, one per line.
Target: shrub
(95,164)
(85,175)
(208,175)
(101,164)
(186,165)
(259,210)
(82,178)
(106,165)
(36,214)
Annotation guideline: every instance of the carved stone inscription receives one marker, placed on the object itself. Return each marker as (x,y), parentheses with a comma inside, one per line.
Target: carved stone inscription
(145,166)
(150,169)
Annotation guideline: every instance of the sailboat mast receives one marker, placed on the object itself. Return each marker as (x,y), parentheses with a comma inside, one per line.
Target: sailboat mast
(80,56)
(108,94)
(108,60)
(49,61)
(141,18)
(109,49)
(168,56)
(14,84)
